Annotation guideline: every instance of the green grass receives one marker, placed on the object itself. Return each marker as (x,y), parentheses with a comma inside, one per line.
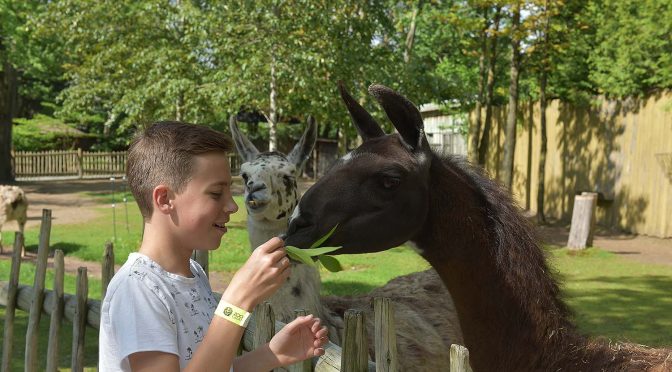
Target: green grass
(610,296)
(617,298)
(27,277)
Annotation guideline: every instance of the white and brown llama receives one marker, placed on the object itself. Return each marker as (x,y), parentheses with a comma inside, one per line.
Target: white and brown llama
(426,319)
(13,206)
(394,189)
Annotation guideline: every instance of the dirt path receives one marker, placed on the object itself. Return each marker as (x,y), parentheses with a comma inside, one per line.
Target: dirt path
(68,206)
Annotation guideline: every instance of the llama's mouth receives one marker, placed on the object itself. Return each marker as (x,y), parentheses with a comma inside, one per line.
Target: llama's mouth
(256,204)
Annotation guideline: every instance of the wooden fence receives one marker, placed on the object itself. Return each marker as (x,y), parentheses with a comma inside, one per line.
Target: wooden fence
(76,164)
(621,149)
(82,312)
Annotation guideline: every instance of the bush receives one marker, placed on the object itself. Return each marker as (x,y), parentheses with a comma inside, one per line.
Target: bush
(43,132)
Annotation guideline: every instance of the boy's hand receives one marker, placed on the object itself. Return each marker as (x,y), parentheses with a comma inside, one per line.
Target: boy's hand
(301,339)
(264,272)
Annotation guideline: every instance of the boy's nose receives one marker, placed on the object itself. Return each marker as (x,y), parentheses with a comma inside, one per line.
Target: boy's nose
(231,206)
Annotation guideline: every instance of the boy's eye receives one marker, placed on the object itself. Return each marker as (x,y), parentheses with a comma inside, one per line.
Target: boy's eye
(216,195)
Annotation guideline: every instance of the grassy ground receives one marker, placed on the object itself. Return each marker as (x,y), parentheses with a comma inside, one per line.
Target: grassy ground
(609,295)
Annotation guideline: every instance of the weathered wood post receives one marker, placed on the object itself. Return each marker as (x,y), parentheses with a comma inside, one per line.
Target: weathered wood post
(306,365)
(201,256)
(355,354)
(56,312)
(10,309)
(385,337)
(264,324)
(80,163)
(79,320)
(38,293)
(459,359)
(580,233)
(108,267)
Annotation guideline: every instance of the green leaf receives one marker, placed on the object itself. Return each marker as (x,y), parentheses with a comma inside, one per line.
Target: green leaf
(297,254)
(330,263)
(322,239)
(319,251)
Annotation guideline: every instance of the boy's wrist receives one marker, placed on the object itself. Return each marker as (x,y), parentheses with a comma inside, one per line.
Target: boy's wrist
(239,299)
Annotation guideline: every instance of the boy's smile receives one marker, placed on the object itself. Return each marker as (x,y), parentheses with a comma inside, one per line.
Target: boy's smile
(202,209)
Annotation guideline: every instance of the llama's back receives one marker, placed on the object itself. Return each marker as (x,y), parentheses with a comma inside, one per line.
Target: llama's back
(425,319)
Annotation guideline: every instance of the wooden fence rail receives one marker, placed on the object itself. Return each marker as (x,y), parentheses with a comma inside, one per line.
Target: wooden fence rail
(81,312)
(76,164)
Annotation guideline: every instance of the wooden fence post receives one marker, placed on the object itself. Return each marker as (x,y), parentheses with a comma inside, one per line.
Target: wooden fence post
(582,222)
(79,321)
(459,359)
(108,267)
(56,312)
(355,355)
(385,337)
(306,365)
(7,341)
(80,163)
(38,293)
(264,324)
(201,256)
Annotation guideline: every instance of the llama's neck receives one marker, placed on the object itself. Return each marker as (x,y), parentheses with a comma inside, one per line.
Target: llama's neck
(507,302)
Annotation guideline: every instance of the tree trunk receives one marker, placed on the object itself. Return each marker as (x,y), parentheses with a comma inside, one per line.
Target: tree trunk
(541,219)
(8,101)
(483,147)
(273,112)
(475,128)
(512,115)
(410,36)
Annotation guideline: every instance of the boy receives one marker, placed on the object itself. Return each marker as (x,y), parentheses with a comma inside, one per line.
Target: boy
(158,311)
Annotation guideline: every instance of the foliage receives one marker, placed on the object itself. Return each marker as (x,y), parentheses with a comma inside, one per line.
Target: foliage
(633,52)
(46,133)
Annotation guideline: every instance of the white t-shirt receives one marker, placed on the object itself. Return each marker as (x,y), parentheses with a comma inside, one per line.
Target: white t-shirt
(147,308)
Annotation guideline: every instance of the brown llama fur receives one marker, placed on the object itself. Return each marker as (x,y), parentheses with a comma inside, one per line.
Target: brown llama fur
(394,188)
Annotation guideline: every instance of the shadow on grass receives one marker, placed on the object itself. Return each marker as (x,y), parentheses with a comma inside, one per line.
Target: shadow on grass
(639,309)
(67,248)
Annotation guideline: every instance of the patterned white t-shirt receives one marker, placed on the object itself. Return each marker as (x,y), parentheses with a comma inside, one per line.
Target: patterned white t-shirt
(147,308)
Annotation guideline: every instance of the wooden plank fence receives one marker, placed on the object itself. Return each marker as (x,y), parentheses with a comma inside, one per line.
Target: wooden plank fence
(83,312)
(76,164)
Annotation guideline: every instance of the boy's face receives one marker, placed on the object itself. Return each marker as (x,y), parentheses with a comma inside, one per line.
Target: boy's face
(203,208)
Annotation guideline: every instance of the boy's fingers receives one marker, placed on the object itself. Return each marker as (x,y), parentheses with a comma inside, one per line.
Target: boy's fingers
(272,245)
(299,322)
(316,325)
(318,351)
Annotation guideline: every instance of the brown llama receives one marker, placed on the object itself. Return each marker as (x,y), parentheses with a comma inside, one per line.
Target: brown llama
(425,317)
(394,189)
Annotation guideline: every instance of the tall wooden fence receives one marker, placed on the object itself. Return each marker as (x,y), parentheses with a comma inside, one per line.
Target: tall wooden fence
(620,149)
(76,164)
(83,312)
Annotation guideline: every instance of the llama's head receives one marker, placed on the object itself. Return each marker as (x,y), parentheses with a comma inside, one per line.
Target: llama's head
(270,177)
(378,194)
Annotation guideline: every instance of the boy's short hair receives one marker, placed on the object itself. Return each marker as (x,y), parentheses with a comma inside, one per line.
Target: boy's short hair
(164,154)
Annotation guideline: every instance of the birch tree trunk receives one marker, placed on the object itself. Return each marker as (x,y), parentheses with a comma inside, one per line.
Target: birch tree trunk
(483,146)
(512,115)
(273,110)
(475,128)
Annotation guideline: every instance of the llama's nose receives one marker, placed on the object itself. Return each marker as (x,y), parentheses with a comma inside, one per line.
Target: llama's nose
(253,187)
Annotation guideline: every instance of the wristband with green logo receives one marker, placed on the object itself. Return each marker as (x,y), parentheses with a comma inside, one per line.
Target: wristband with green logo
(233,313)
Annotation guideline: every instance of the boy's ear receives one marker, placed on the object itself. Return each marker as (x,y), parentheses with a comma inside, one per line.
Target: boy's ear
(161,197)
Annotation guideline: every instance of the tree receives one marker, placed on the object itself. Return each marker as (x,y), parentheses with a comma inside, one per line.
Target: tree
(512,115)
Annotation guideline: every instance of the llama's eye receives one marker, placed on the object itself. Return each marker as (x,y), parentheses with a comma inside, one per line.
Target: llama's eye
(244,175)
(390,183)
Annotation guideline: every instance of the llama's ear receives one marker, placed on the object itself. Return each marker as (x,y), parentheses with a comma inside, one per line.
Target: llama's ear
(245,148)
(366,125)
(301,151)
(403,114)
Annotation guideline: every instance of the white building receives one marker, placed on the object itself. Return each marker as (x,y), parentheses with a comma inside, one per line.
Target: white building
(443,131)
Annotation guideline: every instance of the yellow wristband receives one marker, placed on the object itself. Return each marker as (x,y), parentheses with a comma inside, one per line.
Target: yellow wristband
(233,313)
